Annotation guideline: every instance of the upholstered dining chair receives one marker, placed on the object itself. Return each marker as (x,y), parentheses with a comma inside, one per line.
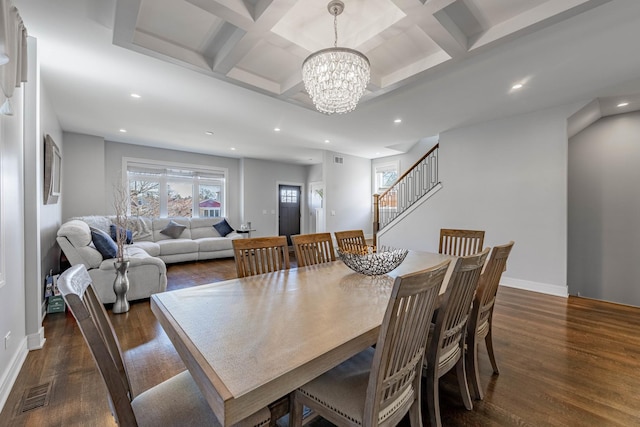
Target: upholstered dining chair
(377,387)
(445,350)
(350,240)
(175,402)
(260,255)
(460,242)
(313,249)
(481,319)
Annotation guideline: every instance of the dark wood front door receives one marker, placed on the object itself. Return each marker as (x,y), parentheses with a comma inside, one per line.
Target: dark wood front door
(289,210)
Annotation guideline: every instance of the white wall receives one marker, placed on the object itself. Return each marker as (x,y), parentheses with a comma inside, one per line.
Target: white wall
(509,178)
(260,193)
(604,210)
(348,200)
(12,291)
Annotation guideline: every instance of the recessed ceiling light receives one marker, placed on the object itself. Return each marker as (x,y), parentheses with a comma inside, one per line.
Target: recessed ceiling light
(233,148)
(208,133)
(123,130)
(135,95)
(397,121)
(517,86)
(378,153)
(623,104)
(276,129)
(326,141)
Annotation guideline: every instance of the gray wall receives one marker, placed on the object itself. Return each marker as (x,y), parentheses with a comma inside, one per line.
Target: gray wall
(405,160)
(347,198)
(604,210)
(507,177)
(260,193)
(83,184)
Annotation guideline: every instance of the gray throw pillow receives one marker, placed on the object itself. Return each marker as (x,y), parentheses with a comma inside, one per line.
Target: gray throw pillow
(173,229)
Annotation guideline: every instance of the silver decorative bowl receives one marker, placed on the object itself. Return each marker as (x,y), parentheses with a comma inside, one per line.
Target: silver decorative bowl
(371,262)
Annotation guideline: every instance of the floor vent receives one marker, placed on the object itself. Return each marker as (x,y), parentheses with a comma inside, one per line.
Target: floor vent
(35,397)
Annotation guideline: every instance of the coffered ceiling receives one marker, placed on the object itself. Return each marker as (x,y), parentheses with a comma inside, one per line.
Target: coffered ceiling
(217,77)
(261,44)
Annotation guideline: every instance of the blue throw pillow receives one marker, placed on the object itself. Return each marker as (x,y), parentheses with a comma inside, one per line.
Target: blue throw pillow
(129,233)
(104,243)
(223,228)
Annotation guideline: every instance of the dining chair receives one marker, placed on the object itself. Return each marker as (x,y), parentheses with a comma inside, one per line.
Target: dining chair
(481,319)
(260,255)
(445,350)
(460,242)
(377,387)
(350,240)
(313,249)
(174,402)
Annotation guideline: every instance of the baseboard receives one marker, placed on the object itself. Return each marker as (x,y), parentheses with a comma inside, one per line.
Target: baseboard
(36,341)
(544,288)
(11,374)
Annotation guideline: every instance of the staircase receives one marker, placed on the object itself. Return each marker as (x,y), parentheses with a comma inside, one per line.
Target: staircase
(413,186)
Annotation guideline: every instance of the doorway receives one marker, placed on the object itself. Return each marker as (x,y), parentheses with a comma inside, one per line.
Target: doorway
(289,210)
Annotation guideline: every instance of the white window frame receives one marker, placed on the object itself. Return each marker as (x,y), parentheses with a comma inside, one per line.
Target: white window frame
(163,192)
(379,167)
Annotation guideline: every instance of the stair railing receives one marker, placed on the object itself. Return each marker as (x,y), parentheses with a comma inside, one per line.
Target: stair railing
(407,190)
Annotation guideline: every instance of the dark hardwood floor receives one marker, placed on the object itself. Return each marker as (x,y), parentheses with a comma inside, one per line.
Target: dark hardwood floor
(563,362)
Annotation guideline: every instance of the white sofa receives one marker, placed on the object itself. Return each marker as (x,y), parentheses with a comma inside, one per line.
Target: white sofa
(148,252)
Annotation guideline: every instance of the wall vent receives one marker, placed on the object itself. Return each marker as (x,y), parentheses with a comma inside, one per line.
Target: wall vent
(338,160)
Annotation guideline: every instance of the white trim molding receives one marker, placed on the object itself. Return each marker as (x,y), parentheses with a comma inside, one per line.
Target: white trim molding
(11,374)
(544,288)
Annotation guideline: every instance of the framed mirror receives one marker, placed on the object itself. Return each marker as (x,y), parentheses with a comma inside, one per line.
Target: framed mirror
(52,165)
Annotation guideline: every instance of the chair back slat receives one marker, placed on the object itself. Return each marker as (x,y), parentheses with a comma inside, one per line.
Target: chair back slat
(260,255)
(460,242)
(451,321)
(488,285)
(397,363)
(350,240)
(93,321)
(313,249)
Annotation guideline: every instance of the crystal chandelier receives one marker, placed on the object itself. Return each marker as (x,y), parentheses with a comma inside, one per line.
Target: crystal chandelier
(336,77)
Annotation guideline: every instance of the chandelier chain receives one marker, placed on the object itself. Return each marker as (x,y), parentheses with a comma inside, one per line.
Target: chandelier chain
(335,27)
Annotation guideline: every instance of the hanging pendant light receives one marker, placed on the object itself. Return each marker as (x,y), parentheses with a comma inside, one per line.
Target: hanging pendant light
(336,78)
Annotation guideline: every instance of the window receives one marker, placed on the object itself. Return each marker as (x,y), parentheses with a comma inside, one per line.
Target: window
(288,195)
(170,190)
(385,175)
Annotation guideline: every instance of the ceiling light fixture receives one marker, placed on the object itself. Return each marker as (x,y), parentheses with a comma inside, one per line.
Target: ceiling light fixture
(336,78)
(326,141)
(135,95)
(397,121)
(623,104)
(276,129)
(208,133)
(517,86)
(123,130)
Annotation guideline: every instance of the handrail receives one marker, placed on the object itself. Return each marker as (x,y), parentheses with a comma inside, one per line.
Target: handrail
(415,165)
(412,185)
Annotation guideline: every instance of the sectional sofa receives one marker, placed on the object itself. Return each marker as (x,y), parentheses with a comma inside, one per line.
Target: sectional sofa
(155,242)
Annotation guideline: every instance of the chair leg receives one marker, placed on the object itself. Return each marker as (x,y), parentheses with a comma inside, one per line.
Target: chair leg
(489,342)
(432,395)
(415,414)
(471,365)
(295,411)
(462,384)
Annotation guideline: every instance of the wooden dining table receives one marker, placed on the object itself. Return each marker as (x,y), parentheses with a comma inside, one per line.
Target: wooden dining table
(248,342)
